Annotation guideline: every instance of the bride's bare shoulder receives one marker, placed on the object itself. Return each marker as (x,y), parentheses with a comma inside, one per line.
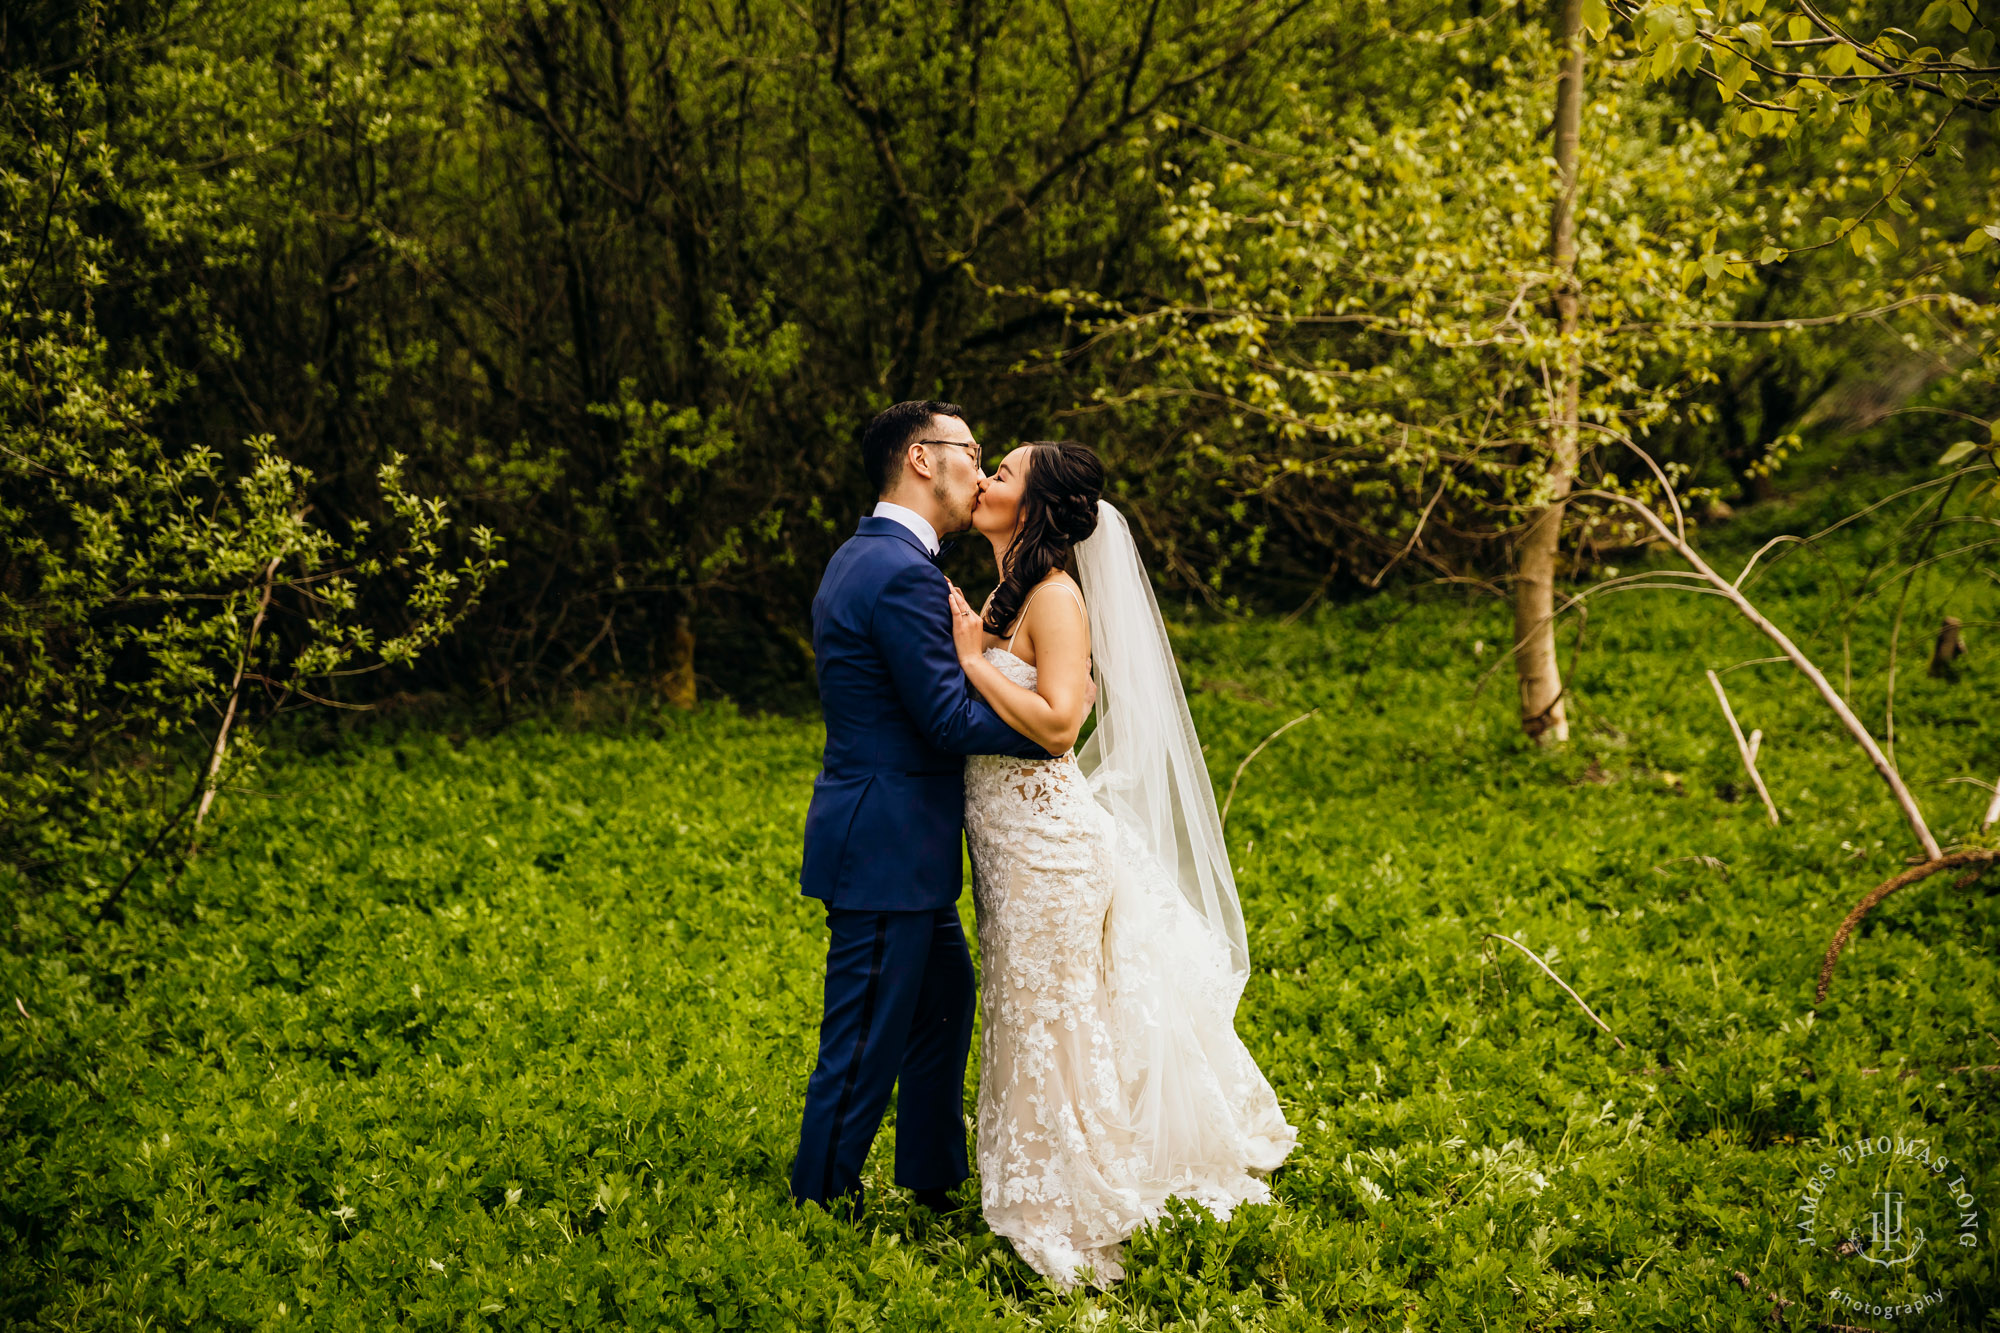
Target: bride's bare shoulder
(1065,580)
(1054,616)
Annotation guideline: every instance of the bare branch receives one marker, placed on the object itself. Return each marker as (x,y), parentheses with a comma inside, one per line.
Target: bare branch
(1747,749)
(235,694)
(1303,717)
(1560,982)
(1911,813)
(1979,856)
(1415,533)
(1128,114)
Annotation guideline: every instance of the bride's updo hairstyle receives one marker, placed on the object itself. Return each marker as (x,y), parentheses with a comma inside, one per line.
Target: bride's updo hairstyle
(1058,510)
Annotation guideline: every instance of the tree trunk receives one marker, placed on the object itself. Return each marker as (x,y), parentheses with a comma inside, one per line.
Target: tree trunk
(1950,647)
(221,747)
(677,681)
(1543,715)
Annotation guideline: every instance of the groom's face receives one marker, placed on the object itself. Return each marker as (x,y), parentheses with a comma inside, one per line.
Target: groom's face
(953,454)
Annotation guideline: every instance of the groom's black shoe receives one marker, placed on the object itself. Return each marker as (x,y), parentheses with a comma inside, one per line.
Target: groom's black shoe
(938,1201)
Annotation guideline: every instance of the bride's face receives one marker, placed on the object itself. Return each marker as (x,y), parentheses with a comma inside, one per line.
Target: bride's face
(998,512)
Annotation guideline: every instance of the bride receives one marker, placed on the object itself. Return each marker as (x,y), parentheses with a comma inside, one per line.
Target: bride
(1111,1077)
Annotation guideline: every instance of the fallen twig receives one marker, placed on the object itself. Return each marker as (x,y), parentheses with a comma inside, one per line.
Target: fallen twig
(1253,754)
(1993,807)
(1746,748)
(1560,982)
(1978,856)
(1723,587)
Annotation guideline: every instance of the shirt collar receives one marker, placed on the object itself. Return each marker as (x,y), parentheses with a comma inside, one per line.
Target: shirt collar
(912,520)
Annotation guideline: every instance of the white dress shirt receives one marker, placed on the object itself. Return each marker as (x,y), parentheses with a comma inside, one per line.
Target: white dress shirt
(912,520)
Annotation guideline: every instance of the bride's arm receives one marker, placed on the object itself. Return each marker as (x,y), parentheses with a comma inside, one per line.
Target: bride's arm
(1052,713)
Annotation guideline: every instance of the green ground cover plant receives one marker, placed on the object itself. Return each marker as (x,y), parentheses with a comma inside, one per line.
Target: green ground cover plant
(509,1029)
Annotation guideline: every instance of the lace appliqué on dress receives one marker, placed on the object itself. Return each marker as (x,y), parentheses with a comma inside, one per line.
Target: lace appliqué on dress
(1111,1077)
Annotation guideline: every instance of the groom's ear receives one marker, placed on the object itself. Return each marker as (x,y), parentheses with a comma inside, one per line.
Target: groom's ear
(918,460)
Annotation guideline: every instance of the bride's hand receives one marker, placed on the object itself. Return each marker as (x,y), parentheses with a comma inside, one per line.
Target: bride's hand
(966,630)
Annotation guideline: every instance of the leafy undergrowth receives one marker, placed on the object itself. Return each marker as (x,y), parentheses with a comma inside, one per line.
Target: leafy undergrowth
(511,1031)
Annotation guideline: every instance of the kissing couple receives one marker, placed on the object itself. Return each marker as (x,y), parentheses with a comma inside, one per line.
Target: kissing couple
(1111,1078)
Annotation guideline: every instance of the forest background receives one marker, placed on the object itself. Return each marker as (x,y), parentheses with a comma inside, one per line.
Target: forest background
(361,351)
(495,368)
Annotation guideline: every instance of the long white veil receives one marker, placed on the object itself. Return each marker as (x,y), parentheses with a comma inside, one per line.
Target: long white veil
(1144,761)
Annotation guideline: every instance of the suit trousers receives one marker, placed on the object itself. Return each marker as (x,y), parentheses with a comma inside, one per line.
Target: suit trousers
(899,1005)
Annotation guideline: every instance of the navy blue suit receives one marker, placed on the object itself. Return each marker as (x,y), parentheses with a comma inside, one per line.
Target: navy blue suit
(882,849)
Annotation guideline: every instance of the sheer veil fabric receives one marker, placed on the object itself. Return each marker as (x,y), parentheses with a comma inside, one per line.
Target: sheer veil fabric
(1176,955)
(1113,959)
(1144,761)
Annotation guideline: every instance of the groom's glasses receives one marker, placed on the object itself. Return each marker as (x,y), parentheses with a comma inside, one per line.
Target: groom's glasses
(970,447)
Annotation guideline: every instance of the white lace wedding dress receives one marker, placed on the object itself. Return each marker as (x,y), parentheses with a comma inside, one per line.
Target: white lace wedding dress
(1111,1077)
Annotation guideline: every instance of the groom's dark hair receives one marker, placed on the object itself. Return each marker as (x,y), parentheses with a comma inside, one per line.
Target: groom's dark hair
(891,433)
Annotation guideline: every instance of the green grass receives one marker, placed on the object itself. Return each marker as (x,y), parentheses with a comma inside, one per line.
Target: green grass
(511,1031)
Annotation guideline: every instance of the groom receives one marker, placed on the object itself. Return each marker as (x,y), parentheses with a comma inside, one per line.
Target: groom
(883,832)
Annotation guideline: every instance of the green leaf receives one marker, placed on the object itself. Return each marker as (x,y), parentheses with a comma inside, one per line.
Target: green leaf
(1596,18)
(1800,28)
(1734,71)
(1980,238)
(1771,254)
(1888,230)
(1960,450)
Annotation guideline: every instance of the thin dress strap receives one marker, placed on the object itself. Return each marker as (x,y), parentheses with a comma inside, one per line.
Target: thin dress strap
(1021,616)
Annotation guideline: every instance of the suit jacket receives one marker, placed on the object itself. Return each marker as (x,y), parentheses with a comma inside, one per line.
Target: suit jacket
(887,818)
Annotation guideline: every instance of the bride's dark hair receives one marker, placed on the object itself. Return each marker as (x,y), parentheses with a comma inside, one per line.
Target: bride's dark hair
(1058,510)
